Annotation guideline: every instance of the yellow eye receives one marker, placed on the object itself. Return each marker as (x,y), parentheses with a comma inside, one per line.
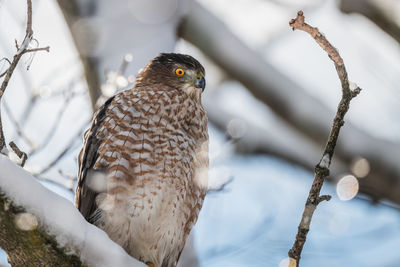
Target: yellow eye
(179,72)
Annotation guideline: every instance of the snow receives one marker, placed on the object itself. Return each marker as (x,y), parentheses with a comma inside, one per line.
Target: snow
(61,218)
(263,203)
(325,161)
(24,45)
(353,85)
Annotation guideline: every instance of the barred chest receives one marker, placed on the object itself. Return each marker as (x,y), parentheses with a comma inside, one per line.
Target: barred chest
(157,158)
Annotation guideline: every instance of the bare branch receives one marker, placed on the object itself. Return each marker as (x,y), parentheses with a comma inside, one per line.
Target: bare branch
(22,155)
(47,49)
(69,185)
(55,125)
(322,168)
(71,12)
(299,24)
(323,198)
(62,153)
(4,73)
(29,31)
(9,62)
(6,59)
(19,131)
(221,187)
(68,175)
(16,44)
(21,50)
(277,89)
(68,182)
(383,13)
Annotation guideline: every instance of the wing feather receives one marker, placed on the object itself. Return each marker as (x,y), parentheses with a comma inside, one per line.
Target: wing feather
(85,197)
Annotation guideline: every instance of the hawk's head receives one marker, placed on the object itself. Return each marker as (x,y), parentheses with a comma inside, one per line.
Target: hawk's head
(174,70)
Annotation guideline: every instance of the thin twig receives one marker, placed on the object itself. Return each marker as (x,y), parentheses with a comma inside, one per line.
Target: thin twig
(69,185)
(68,175)
(47,49)
(17,127)
(55,125)
(67,148)
(221,187)
(28,110)
(22,155)
(322,168)
(4,73)
(29,31)
(6,59)
(9,62)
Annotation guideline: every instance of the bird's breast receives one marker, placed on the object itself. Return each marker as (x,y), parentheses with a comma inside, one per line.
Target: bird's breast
(156,157)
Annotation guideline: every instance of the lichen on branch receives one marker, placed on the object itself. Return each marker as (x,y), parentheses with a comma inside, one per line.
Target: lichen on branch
(34,246)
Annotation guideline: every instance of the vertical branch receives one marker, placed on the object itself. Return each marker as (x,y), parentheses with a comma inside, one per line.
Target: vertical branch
(29,31)
(21,50)
(322,168)
(72,12)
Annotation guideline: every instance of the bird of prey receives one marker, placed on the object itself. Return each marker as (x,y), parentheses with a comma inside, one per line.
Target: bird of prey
(143,168)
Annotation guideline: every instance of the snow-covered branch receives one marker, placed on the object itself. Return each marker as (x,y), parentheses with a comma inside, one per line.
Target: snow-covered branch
(49,227)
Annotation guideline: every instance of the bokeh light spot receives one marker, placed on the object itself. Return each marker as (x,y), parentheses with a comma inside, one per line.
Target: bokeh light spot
(128,57)
(97,181)
(347,187)
(108,89)
(236,128)
(44,91)
(26,221)
(131,79)
(360,167)
(121,81)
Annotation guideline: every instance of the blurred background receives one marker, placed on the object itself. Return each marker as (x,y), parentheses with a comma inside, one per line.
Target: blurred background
(271,97)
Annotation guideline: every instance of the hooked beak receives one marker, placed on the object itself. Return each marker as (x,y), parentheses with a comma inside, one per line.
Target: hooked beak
(200,83)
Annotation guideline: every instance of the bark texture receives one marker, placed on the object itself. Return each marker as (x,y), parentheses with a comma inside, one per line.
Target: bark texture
(322,168)
(29,247)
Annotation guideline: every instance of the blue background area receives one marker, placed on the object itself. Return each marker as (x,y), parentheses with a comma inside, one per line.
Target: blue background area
(254,221)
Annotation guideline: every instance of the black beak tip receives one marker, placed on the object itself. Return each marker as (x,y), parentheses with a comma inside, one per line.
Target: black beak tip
(201,83)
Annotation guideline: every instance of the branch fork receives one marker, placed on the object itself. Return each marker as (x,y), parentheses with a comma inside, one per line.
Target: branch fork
(21,50)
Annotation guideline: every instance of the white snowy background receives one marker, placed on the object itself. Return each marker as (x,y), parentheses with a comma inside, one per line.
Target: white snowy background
(253,221)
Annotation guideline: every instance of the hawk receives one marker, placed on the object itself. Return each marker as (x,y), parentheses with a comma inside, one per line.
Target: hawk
(143,168)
